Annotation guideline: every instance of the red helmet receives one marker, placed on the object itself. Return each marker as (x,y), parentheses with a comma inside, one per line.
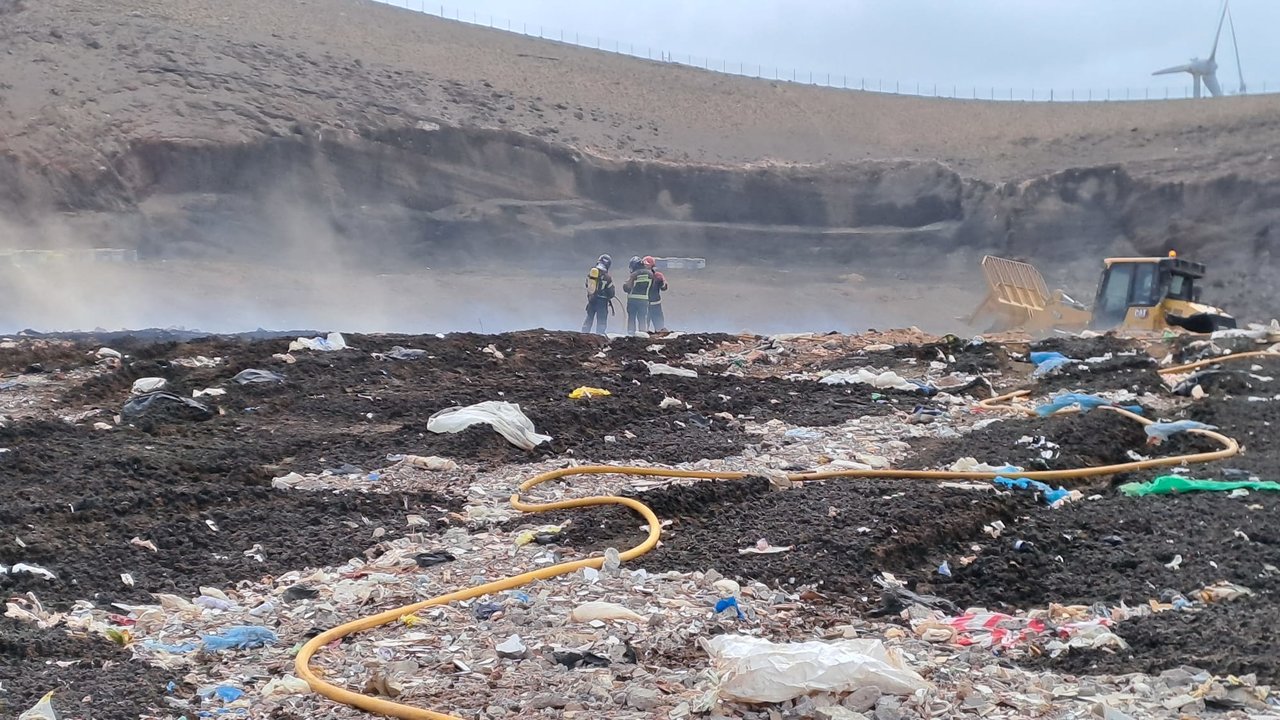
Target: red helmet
(649,261)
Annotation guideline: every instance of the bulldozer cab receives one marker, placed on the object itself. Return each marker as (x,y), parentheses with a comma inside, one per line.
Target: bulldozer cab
(1153,293)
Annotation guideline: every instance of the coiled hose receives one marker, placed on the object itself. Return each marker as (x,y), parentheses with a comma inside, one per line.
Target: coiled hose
(380,706)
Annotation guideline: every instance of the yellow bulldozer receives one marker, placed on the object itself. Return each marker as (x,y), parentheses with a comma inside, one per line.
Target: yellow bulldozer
(1136,295)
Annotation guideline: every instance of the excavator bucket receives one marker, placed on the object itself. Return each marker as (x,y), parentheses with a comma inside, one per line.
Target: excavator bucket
(1018,299)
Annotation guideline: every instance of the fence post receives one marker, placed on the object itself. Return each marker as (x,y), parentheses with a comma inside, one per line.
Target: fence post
(1050,94)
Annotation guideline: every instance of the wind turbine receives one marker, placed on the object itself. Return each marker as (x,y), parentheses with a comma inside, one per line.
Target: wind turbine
(1205,71)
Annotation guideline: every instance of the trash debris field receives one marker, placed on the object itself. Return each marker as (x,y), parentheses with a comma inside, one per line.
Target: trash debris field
(175,527)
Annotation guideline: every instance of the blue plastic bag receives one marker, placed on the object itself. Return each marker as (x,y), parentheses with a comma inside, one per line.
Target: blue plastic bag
(1051,495)
(1159,432)
(241,637)
(730,602)
(1086,402)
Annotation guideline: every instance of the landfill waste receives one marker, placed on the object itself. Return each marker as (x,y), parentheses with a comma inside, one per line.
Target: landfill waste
(762,547)
(242,637)
(575,659)
(334,341)
(998,630)
(1048,363)
(1187,386)
(512,647)
(399,353)
(544,535)
(432,559)
(505,417)
(20,568)
(755,670)
(665,369)
(486,611)
(591,611)
(255,376)
(887,380)
(285,685)
(968,464)
(1051,495)
(208,392)
(142,404)
(429,462)
(141,386)
(1083,401)
(588,392)
(1176,484)
(730,603)
(42,710)
(228,694)
(1161,431)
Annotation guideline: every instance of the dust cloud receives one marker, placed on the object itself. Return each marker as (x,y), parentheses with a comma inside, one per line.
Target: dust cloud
(295,271)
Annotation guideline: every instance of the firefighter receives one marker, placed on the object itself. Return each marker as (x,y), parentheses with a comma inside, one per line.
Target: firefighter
(600,294)
(657,322)
(637,289)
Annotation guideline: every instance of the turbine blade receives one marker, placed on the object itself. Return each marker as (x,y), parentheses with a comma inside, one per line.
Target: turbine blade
(1213,53)
(1174,69)
(1236,46)
(1211,82)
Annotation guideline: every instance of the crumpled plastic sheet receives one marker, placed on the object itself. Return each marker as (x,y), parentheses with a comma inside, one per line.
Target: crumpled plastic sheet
(334,341)
(1051,495)
(1085,402)
(1171,484)
(887,380)
(665,369)
(241,637)
(400,353)
(255,376)
(755,670)
(1164,430)
(507,418)
(1048,363)
(142,403)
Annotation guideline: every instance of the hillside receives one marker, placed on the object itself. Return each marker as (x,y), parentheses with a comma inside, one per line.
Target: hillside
(183,127)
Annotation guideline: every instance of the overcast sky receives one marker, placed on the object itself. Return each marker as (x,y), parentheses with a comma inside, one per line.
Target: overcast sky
(1044,44)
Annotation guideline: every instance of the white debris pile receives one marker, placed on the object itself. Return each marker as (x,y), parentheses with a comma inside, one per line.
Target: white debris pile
(617,642)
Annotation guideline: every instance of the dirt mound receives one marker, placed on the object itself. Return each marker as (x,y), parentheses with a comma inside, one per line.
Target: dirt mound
(95,676)
(850,530)
(1235,638)
(1126,547)
(77,498)
(1056,443)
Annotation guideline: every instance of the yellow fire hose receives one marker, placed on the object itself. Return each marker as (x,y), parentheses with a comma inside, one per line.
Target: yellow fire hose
(379,706)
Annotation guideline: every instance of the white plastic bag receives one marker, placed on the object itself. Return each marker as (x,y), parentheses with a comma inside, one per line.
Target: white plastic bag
(505,417)
(430,462)
(334,341)
(42,710)
(665,369)
(887,380)
(589,611)
(145,385)
(755,670)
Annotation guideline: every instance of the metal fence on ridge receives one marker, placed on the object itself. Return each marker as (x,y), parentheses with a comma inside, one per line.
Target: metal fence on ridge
(844,81)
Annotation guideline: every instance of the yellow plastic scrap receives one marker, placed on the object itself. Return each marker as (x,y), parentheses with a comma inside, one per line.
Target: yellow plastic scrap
(43,710)
(410,620)
(588,392)
(529,536)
